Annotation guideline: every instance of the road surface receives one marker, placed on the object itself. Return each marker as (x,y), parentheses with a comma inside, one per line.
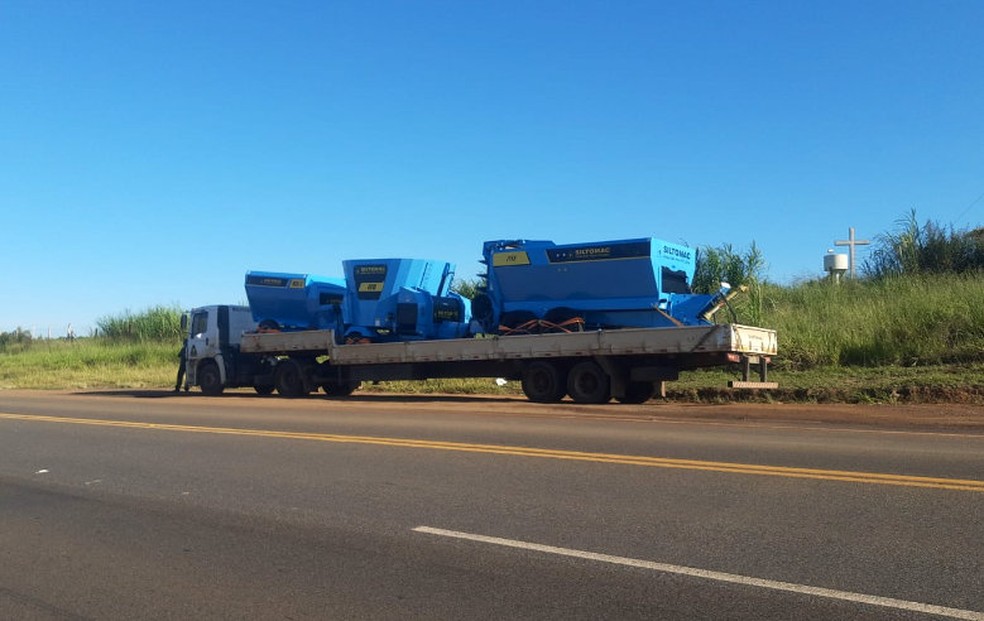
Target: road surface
(153,505)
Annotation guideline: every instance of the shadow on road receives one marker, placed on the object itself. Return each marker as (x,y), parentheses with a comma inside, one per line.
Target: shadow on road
(144,393)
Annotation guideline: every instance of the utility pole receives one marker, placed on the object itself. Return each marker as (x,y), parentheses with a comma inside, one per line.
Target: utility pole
(851,242)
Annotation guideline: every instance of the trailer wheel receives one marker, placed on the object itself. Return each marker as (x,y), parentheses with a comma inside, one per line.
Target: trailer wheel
(340,389)
(543,382)
(209,379)
(588,383)
(638,392)
(288,378)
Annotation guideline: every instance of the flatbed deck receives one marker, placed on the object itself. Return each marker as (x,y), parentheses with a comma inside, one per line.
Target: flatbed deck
(723,338)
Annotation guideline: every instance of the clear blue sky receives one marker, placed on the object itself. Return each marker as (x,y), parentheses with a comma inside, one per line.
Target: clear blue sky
(153,152)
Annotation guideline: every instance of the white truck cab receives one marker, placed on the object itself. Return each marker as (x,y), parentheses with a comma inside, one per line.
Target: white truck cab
(213,337)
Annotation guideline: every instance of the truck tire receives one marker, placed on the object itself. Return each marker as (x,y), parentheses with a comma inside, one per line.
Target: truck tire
(209,379)
(288,377)
(588,383)
(637,392)
(263,389)
(340,389)
(543,382)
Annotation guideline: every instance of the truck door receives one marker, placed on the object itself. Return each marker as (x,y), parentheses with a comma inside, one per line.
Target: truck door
(202,341)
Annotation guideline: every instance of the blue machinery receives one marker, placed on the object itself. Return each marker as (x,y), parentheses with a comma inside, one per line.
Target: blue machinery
(282,301)
(537,285)
(529,287)
(403,299)
(378,300)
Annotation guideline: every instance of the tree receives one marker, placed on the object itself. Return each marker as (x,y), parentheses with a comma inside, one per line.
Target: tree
(18,339)
(467,288)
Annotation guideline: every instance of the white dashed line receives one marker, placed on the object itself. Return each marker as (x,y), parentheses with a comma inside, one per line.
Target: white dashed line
(847,596)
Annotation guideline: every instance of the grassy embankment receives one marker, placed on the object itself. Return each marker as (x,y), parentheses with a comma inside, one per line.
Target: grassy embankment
(132,351)
(915,339)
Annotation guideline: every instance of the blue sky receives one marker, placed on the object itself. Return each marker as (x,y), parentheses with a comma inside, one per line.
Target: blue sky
(152,153)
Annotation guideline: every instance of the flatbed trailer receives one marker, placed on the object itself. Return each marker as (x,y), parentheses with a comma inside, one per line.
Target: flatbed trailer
(628,364)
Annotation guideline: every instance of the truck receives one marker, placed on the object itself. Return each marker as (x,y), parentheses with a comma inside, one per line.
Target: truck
(595,322)
(630,364)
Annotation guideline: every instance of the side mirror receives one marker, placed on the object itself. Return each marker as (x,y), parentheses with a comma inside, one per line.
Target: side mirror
(184,323)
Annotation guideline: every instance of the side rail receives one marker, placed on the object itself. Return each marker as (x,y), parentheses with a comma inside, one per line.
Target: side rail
(717,339)
(317,342)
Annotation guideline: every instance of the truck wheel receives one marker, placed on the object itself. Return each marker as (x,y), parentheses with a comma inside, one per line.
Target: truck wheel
(209,379)
(588,383)
(289,379)
(543,382)
(264,389)
(340,389)
(638,392)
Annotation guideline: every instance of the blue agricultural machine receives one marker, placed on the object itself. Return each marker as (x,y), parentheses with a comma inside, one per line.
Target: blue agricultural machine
(379,300)
(403,299)
(531,286)
(284,301)
(538,286)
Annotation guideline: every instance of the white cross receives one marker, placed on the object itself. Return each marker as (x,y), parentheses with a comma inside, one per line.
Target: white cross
(852,243)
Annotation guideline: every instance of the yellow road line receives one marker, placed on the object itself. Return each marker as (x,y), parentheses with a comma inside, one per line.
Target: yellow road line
(964,485)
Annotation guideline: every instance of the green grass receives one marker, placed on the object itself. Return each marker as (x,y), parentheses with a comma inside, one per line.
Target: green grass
(902,321)
(957,383)
(88,364)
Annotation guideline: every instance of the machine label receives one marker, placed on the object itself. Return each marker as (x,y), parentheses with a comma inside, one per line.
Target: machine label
(505,259)
(370,280)
(447,309)
(267,281)
(370,270)
(370,287)
(296,283)
(680,253)
(571,254)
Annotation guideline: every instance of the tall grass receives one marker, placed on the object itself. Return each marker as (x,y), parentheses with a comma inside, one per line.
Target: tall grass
(928,249)
(159,323)
(911,320)
(724,263)
(738,269)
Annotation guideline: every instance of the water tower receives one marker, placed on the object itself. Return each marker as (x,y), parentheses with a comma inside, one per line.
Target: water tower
(835,264)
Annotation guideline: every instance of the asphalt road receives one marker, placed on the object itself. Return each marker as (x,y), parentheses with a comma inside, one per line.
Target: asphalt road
(148,505)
